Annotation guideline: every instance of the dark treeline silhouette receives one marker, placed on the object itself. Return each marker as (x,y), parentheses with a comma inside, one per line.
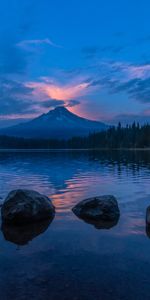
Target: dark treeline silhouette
(133,136)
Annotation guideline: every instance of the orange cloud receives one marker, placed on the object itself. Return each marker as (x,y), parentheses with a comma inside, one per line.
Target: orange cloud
(59,92)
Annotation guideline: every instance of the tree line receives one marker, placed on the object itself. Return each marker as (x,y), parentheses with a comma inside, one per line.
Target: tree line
(131,136)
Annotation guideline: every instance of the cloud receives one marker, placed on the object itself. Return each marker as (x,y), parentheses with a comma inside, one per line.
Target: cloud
(142,118)
(52,103)
(36,97)
(124,77)
(59,91)
(30,45)
(26,100)
(72,103)
(19,101)
(132,71)
(14,97)
(138,89)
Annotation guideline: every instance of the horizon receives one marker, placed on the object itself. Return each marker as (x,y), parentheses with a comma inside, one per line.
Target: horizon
(98,69)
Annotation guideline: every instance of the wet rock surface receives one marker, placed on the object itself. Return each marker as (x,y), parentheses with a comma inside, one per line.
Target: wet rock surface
(26,206)
(102,211)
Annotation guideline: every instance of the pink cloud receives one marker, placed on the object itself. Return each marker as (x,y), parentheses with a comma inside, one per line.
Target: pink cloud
(127,70)
(54,90)
(140,72)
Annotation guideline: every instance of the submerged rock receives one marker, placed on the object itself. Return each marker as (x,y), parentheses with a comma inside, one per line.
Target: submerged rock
(1,201)
(26,206)
(148,221)
(102,212)
(21,235)
(147,230)
(148,216)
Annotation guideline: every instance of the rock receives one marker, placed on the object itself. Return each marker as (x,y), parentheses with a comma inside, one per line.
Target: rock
(148,221)
(26,206)
(148,216)
(102,212)
(147,230)
(1,201)
(21,235)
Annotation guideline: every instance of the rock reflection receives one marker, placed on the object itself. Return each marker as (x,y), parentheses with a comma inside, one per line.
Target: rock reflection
(148,231)
(101,224)
(21,235)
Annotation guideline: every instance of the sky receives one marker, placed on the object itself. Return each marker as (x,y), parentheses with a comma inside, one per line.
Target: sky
(91,56)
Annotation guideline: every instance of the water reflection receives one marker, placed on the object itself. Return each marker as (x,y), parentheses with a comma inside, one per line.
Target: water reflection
(69,177)
(102,224)
(21,235)
(147,230)
(70,256)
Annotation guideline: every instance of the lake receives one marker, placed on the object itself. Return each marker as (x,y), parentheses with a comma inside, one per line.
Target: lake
(70,259)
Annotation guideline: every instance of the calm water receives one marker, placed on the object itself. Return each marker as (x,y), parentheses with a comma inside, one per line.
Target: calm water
(70,259)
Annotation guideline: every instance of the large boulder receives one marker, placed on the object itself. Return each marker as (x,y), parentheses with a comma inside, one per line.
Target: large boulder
(26,206)
(102,212)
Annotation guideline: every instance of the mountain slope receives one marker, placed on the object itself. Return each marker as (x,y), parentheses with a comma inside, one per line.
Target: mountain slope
(57,123)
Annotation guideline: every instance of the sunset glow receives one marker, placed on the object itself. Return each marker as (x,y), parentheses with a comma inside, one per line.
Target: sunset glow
(90,68)
(58,92)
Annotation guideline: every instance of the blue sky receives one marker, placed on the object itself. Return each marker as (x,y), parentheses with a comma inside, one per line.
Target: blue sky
(91,56)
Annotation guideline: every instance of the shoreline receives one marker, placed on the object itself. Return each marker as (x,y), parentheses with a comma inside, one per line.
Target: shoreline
(74,150)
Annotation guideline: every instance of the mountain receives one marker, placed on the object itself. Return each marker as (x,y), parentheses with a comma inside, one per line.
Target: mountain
(57,123)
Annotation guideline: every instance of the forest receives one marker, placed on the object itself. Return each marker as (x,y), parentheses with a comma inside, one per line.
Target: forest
(131,136)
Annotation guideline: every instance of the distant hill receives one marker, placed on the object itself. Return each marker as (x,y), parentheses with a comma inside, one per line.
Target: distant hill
(58,123)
